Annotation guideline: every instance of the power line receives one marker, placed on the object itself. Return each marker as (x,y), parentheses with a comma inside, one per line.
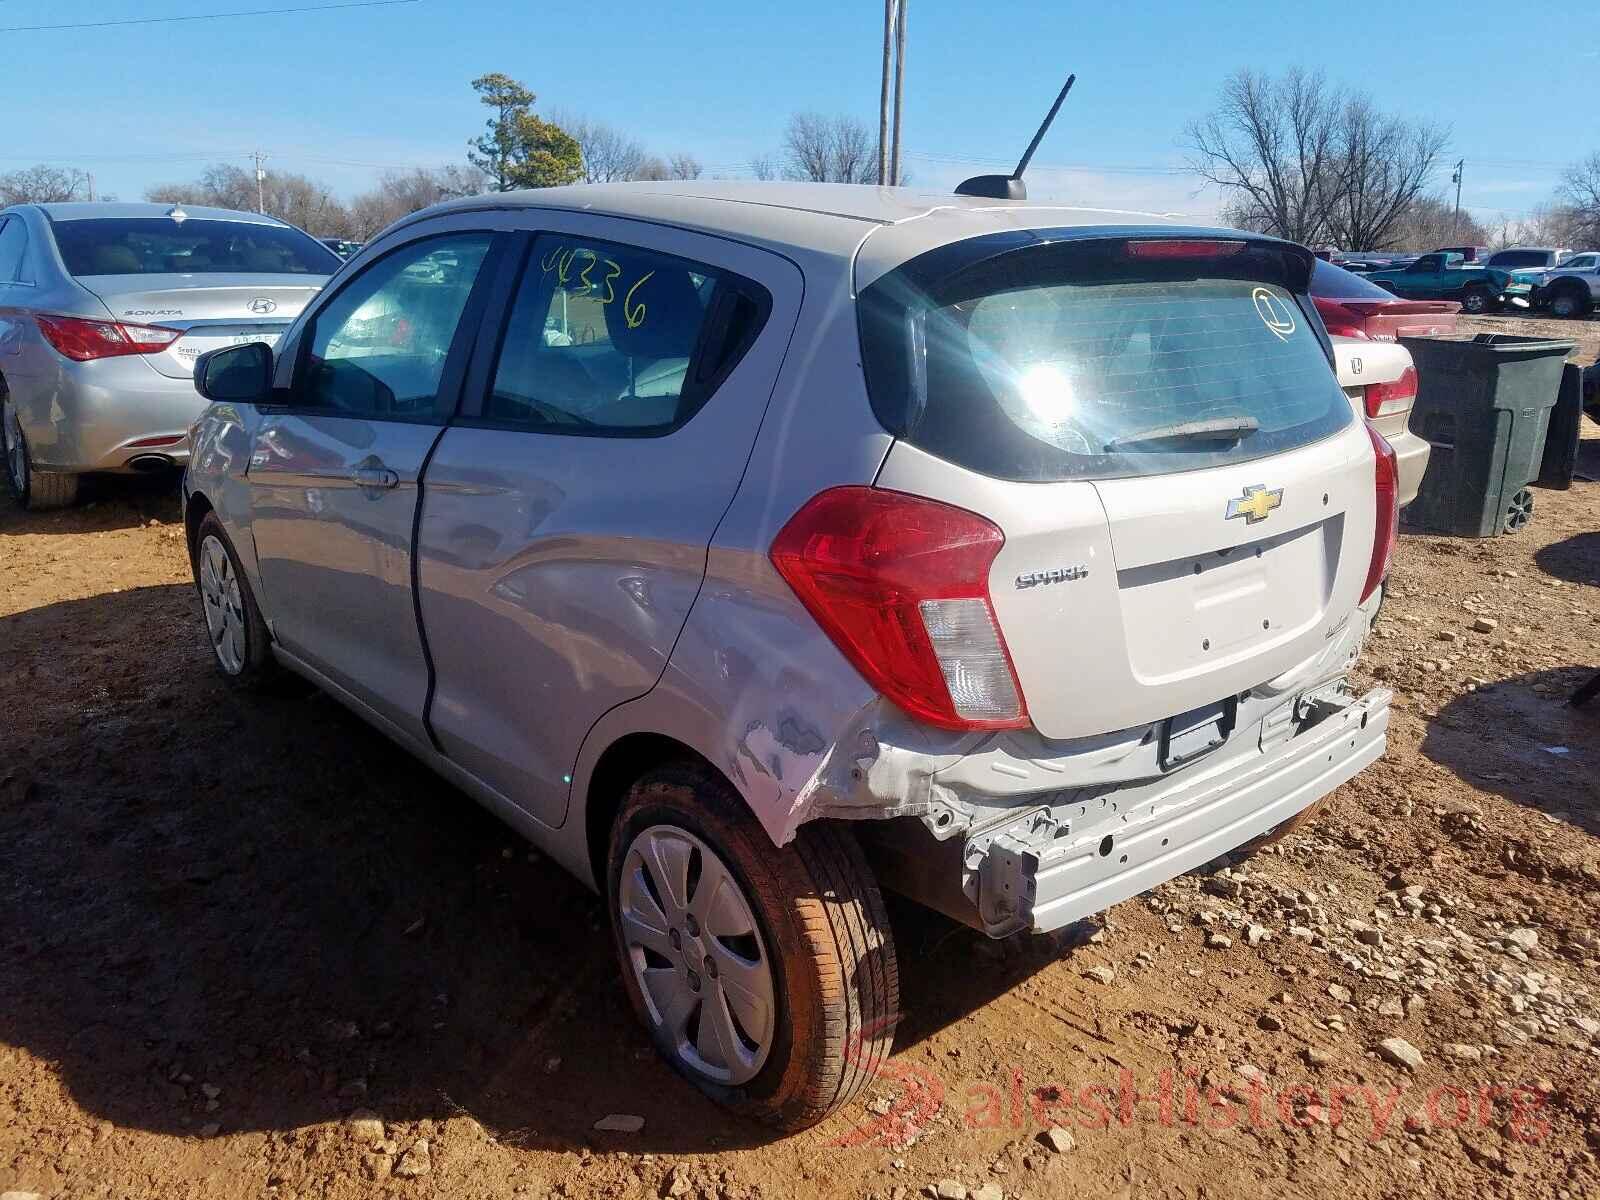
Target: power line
(215,16)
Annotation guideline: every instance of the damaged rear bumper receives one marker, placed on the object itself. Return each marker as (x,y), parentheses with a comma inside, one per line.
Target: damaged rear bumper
(1043,866)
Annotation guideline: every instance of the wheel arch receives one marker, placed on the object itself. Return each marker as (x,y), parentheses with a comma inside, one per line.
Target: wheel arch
(195,508)
(622,762)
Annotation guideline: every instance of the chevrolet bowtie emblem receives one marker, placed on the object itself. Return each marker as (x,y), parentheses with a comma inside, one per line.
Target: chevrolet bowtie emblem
(1256,503)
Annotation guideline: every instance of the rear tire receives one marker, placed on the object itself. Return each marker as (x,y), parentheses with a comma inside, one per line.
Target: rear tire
(688,867)
(240,644)
(36,492)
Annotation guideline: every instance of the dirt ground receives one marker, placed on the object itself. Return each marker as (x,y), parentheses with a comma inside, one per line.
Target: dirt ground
(227,924)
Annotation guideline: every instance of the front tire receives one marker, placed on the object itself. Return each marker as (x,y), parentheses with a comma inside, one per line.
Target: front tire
(1476,301)
(766,976)
(240,643)
(34,491)
(1568,302)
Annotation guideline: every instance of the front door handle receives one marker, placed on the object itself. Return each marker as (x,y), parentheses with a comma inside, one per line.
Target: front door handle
(379,478)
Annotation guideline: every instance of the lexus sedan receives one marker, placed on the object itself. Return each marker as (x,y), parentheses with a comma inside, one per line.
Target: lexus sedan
(104,309)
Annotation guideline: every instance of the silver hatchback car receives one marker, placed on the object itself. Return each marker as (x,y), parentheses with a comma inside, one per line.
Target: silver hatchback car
(751,548)
(104,309)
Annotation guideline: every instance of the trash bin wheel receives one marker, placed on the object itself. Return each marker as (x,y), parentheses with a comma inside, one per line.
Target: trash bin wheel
(1518,513)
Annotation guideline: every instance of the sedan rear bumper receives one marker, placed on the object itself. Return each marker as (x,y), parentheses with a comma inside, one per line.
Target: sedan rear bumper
(107,415)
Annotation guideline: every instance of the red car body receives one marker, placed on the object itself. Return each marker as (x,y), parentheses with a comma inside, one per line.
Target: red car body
(1354,307)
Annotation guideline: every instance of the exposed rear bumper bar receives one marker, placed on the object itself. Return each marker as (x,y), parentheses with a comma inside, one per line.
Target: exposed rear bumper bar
(1194,822)
(1043,866)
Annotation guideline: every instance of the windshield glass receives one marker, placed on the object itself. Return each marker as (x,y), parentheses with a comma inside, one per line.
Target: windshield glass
(195,246)
(1064,365)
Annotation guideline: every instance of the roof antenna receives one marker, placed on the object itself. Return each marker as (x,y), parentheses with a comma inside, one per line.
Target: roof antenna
(1011,187)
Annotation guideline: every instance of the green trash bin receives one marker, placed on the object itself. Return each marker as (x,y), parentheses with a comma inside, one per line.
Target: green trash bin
(1484,407)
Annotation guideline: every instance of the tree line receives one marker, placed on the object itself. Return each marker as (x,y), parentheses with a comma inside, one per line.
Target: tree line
(1292,155)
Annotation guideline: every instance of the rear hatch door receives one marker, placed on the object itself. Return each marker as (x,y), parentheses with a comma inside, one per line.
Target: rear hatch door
(212,310)
(1186,494)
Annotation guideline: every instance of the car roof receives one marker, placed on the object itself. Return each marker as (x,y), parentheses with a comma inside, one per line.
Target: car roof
(82,210)
(806,219)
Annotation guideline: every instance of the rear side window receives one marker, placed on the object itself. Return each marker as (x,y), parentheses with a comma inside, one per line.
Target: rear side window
(192,246)
(605,338)
(13,241)
(1089,360)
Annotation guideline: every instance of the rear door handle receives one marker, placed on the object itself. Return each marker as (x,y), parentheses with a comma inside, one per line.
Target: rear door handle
(375,477)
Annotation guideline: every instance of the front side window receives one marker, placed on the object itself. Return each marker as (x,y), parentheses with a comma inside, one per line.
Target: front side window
(605,338)
(1095,361)
(191,246)
(378,348)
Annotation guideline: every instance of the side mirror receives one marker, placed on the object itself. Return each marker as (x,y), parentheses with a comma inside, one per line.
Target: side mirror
(237,374)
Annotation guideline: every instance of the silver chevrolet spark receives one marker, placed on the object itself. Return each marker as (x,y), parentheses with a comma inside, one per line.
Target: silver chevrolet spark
(104,309)
(751,548)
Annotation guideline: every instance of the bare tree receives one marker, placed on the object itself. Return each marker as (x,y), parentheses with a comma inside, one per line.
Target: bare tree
(1429,222)
(652,167)
(1381,167)
(1579,196)
(43,184)
(400,193)
(823,149)
(684,166)
(1269,146)
(608,154)
(308,203)
(763,168)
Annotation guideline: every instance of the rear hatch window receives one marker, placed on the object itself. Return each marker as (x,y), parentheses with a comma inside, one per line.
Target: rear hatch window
(1100,359)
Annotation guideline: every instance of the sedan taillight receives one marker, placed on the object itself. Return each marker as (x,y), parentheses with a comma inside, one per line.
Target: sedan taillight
(82,339)
(1396,396)
(901,585)
(1386,530)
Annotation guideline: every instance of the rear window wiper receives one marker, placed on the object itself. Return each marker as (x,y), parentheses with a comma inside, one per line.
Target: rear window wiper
(1215,429)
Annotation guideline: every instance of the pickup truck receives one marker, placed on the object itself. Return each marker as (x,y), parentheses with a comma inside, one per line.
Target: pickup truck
(1570,290)
(1444,277)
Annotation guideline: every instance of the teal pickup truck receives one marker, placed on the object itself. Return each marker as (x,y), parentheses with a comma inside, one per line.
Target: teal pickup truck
(1446,277)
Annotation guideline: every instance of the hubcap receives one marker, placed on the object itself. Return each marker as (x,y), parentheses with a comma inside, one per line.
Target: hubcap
(697,955)
(219,593)
(16,451)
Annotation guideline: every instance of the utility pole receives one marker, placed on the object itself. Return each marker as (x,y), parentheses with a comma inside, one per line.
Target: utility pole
(91,185)
(883,94)
(1455,222)
(261,179)
(899,88)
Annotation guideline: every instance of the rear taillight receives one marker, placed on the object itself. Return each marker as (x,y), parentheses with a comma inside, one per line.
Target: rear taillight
(81,339)
(1397,396)
(901,586)
(1387,528)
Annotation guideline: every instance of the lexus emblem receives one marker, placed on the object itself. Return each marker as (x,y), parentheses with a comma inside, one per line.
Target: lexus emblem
(261,306)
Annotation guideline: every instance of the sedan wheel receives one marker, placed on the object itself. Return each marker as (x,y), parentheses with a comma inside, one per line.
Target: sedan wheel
(219,594)
(697,955)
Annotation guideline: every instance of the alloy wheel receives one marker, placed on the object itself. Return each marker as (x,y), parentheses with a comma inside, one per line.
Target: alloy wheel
(698,955)
(223,603)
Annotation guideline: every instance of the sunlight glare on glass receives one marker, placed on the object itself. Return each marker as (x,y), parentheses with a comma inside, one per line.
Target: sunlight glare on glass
(1047,392)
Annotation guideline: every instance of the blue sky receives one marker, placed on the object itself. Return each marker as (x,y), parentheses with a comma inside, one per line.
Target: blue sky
(341,94)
